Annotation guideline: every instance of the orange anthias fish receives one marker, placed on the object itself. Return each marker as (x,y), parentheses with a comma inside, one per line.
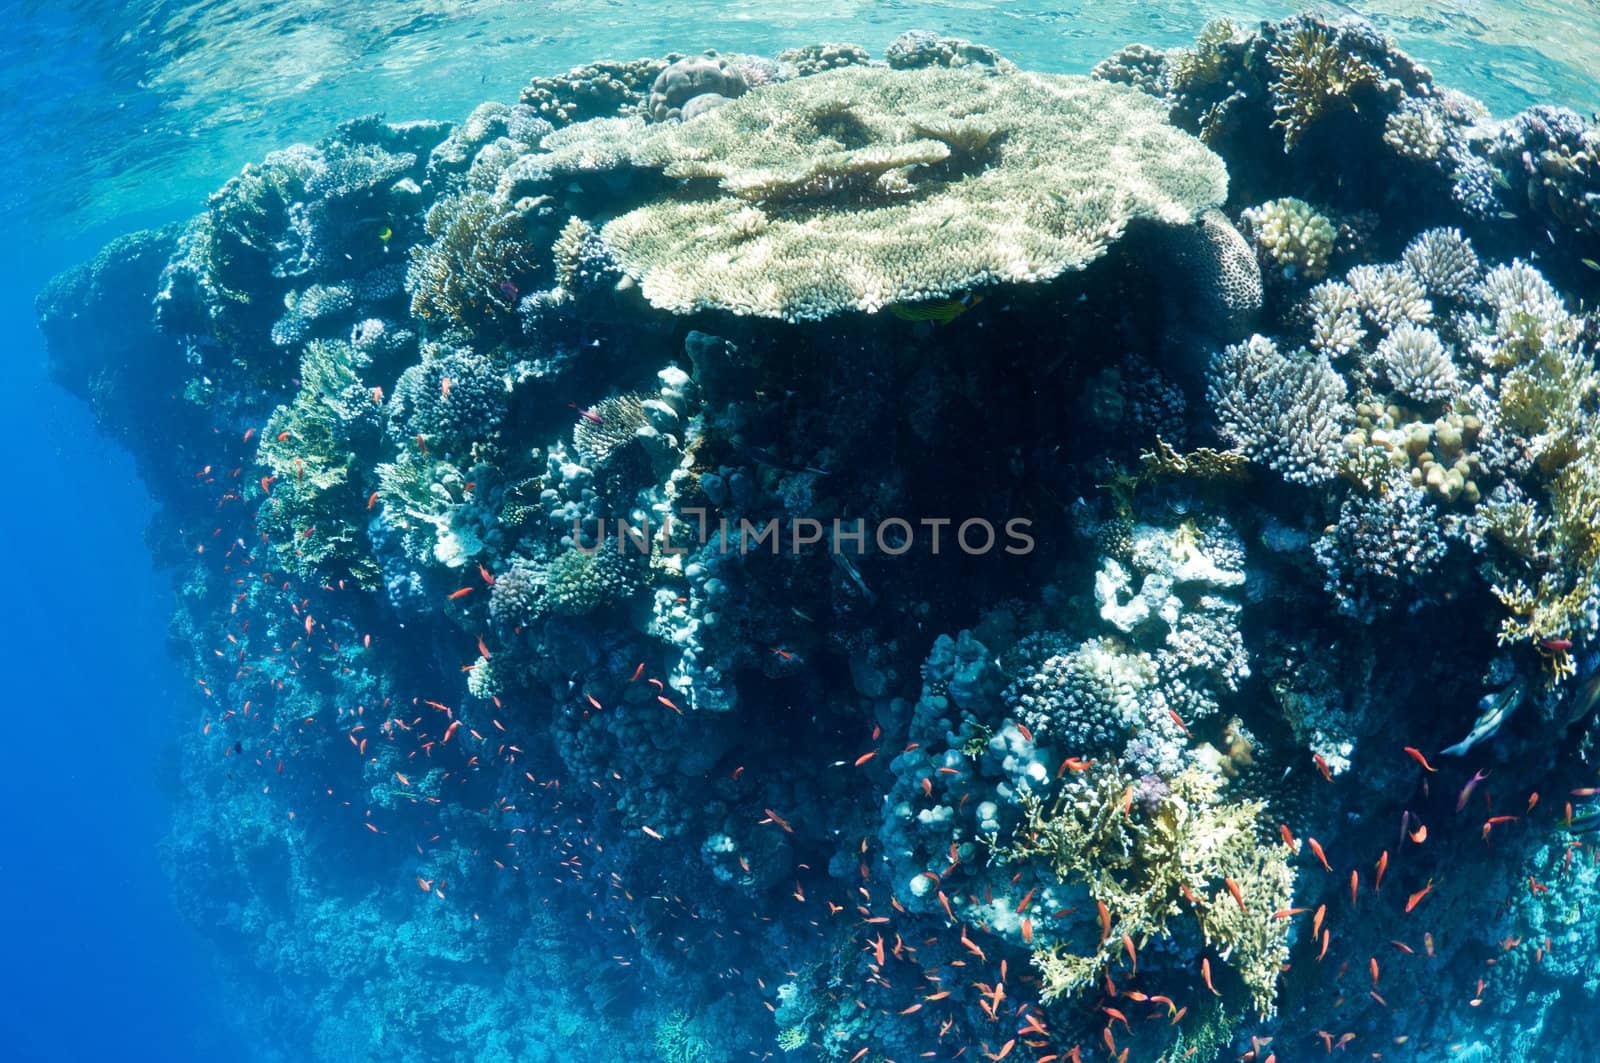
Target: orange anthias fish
(1416,898)
(1416,755)
(1238,894)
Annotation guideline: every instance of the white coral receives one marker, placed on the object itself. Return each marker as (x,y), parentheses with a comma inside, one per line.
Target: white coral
(1416,362)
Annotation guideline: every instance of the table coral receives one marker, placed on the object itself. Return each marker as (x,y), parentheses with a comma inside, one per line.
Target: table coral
(948,167)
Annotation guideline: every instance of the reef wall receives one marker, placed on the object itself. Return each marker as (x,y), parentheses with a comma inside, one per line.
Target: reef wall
(887,559)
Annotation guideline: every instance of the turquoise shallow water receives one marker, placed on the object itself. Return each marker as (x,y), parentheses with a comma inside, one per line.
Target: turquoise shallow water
(133,108)
(331,738)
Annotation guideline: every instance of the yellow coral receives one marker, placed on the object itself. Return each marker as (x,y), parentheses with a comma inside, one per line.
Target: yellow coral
(1144,869)
(1312,76)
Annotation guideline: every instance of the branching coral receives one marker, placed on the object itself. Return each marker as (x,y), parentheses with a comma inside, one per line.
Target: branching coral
(1335,311)
(1140,868)
(1390,295)
(611,425)
(1312,77)
(1287,412)
(1386,543)
(313,513)
(1444,261)
(1553,156)
(1549,390)
(594,90)
(453,400)
(1417,131)
(477,262)
(1292,236)
(1417,364)
(1088,698)
(921,48)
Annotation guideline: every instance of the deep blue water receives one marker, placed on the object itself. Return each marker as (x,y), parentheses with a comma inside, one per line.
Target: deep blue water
(99,964)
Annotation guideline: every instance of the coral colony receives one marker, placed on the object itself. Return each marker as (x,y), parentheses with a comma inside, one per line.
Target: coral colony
(1276,739)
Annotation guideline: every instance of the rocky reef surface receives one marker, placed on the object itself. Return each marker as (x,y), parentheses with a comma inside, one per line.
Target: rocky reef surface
(878,559)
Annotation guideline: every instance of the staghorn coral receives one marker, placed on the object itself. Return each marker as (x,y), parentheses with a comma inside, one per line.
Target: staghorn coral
(859,188)
(1287,412)
(1292,236)
(477,262)
(424,502)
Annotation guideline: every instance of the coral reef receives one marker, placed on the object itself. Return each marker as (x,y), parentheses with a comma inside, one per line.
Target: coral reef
(607,629)
(471,270)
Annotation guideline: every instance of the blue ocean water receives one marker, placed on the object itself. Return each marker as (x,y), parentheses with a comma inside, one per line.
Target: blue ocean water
(100,964)
(123,118)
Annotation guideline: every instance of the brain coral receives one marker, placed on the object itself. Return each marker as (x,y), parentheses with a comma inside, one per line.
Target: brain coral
(861,187)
